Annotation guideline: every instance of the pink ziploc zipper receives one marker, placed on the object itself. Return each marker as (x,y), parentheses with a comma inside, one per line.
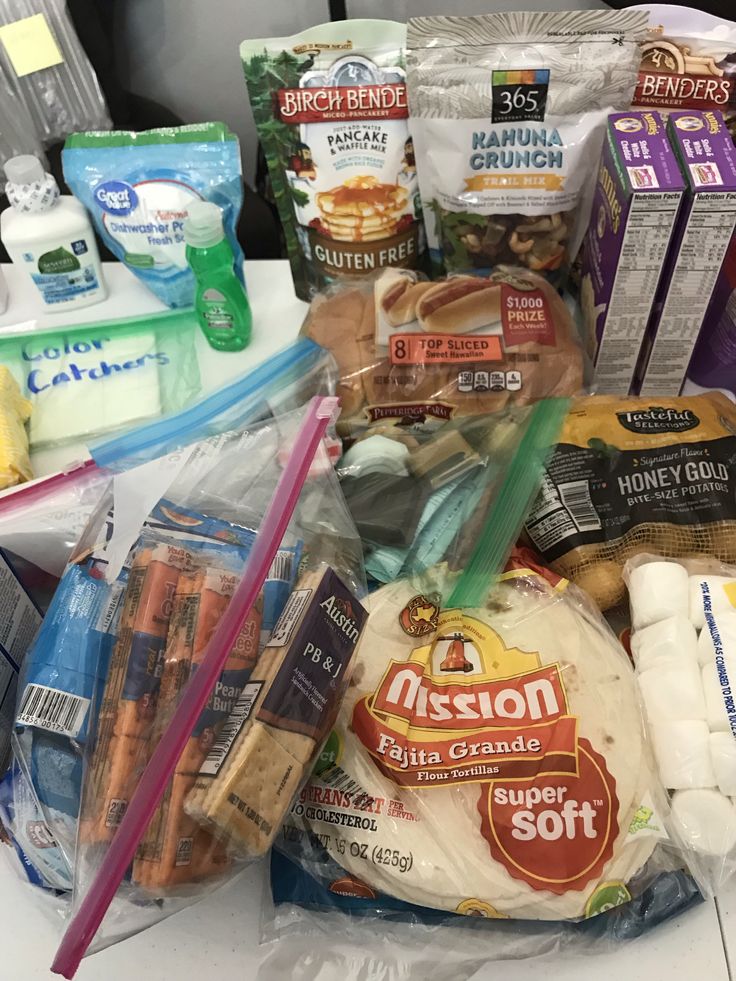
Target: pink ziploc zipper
(161,766)
(31,493)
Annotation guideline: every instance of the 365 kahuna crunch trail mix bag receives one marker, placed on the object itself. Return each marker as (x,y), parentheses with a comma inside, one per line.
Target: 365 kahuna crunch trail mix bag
(508,113)
(331,111)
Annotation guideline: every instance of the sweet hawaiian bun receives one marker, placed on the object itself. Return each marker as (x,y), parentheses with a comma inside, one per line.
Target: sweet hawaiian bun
(459,305)
(399,302)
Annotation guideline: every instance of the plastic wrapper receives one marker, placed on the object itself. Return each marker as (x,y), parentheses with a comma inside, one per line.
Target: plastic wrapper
(17,132)
(508,117)
(138,188)
(684,648)
(15,463)
(88,379)
(412,354)
(489,789)
(631,476)
(284,382)
(60,98)
(130,623)
(687,61)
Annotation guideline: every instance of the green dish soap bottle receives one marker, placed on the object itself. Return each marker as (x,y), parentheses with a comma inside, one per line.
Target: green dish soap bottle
(222,306)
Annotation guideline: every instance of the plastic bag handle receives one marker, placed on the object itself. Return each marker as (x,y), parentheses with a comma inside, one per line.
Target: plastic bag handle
(85,923)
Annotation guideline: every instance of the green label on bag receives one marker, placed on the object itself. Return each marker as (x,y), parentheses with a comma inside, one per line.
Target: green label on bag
(329,755)
(58,261)
(138,260)
(607,896)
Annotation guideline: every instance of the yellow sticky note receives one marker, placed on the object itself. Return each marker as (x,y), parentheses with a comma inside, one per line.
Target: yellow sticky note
(30,45)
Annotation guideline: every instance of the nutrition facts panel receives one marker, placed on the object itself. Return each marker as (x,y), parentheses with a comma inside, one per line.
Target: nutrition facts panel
(643,250)
(709,230)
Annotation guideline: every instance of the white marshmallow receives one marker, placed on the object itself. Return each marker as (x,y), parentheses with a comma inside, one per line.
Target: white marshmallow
(723,757)
(705,819)
(673,691)
(722,627)
(657,590)
(718,593)
(682,750)
(673,639)
(719,689)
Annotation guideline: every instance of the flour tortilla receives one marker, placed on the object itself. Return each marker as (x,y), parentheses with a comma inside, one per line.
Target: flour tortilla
(452,861)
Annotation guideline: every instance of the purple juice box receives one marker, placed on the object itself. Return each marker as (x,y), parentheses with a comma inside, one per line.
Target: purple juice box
(707,158)
(637,198)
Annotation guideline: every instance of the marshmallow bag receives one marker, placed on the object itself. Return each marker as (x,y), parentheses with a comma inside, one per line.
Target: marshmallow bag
(684,648)
(632,476)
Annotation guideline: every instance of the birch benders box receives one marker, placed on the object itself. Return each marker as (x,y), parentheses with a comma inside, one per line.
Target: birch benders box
(707,158)
(637,198)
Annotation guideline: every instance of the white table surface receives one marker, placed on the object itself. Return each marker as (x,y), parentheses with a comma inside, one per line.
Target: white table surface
(219,937)
(277,316)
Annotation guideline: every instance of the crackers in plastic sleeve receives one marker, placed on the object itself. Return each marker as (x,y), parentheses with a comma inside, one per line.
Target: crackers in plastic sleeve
(248,781)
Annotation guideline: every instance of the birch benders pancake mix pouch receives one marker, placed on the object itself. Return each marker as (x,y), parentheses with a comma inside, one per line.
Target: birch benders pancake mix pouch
(331,112)
(508,113)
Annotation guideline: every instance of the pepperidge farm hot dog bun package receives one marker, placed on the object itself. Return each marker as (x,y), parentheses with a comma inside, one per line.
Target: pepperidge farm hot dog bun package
(508,113)
(413,353)
(331,112)
(632,476)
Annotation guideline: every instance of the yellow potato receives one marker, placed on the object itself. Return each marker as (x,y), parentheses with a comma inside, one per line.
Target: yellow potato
(603,582)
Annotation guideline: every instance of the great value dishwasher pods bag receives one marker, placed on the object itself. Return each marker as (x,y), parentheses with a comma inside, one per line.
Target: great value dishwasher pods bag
(508,113)
(138,188)
(330,107)
(88,379)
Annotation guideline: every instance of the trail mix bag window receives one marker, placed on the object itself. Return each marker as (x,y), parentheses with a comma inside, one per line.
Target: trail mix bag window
(331,111)
(508,114)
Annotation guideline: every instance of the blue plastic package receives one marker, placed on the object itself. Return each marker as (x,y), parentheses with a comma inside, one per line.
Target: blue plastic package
(138,186)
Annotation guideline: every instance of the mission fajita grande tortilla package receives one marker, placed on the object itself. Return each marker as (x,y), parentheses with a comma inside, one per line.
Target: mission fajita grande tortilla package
(331,112)
(508,112)
(489,760)
(637,475)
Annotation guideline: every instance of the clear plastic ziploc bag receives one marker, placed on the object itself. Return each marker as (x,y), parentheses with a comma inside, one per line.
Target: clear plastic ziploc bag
(63,94)
(489,763)
(151,664)
(684,647)
(88,379)
(39,525)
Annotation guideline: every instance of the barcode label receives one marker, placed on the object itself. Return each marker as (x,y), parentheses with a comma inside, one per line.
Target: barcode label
(229,732)
(338,779)
(575,495)
(110,608)
(54,710)
(290,617)
(282,567)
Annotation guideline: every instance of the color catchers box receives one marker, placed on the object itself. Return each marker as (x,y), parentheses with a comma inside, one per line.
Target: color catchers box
(708,162)
(637,199)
